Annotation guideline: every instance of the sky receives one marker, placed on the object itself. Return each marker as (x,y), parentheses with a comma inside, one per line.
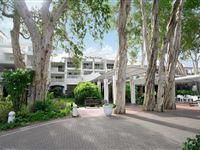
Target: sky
(107,50)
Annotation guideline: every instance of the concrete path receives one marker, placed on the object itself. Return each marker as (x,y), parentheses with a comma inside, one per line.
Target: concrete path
(135,130)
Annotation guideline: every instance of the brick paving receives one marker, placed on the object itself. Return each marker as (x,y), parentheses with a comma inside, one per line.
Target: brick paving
(135,130)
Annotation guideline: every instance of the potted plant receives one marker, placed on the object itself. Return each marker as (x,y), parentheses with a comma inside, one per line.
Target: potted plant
(108,108)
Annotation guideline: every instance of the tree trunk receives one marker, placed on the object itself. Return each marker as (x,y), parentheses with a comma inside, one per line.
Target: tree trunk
(196,63)
(169,101)
(161,72)
(181,70)
(145,43)
(122,57)
(143,56)
(18,59)
(149,97)
(41,43)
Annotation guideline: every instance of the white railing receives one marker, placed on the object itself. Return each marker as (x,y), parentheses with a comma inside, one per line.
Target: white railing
(99,68)
(74,76)
(57,80)
(87,67)
(57,70)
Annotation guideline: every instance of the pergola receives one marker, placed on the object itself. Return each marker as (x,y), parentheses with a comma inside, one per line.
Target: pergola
(133,73)
(187,79)
(136,76)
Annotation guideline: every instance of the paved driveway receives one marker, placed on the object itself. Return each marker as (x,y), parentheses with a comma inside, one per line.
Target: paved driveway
(136,130)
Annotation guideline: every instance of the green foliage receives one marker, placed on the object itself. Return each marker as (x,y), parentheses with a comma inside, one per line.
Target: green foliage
(5,108)
(50,95)
(45,110)
(57,91)
(15,83)
(128,92)
(32,117)
(24,110)
(83,17)
(45,105)
(8,98)
(59,104)
(140,100)
(192,144)
(84,90)
(133,56)
(186,92)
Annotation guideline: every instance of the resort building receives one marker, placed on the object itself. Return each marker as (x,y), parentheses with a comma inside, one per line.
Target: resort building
(62,71)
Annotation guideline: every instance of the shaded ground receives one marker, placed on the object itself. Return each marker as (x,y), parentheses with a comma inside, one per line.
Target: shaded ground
(135,130)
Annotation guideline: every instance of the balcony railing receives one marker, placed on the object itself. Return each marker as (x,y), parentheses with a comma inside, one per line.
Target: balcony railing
(87,67)
(99,68)
(57,70)
(57,80)
(74,76)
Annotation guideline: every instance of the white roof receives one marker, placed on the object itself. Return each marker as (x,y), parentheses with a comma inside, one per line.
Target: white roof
(189,78)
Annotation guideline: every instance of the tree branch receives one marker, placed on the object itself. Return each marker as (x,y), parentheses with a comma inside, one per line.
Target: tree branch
(45,10)
(58,11)
(28,19)
(24,36)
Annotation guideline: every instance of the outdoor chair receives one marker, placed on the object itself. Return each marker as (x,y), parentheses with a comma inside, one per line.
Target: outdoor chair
(188,98)
(179,98)
(195,98)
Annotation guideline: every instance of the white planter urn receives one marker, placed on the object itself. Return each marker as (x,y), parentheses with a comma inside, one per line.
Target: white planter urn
(108,109)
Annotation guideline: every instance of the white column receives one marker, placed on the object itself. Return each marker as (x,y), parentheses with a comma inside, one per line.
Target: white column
(106,92)
(93,64)
(99,86)
(132,87)
(105,65)
(114,89)
(81,68)
(26,60)
(64,89)
(65,75)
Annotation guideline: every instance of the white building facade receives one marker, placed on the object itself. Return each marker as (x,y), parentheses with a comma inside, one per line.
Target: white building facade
(62,72)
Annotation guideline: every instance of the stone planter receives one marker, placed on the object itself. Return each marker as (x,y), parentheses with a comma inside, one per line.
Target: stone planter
(108,109)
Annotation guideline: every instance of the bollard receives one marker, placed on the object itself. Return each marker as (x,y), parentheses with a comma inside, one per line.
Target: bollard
(11,116)
(75,111)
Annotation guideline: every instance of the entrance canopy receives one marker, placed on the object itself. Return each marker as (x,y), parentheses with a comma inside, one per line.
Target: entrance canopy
(187,79)
(130,72)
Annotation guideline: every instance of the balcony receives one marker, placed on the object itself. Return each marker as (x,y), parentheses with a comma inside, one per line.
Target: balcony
(57,80)
(87,66)
(110,66)
(74,76)
(70,65)
(99,66)
(53,69)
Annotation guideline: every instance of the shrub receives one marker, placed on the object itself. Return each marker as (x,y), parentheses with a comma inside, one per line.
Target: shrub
(45,105)
(140,100)
(5,108)
(186,92)
(192,144)
(57,90)
(24,111)
(50,95)
(84,90)
(59,104)
(15,83)
(128,92)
